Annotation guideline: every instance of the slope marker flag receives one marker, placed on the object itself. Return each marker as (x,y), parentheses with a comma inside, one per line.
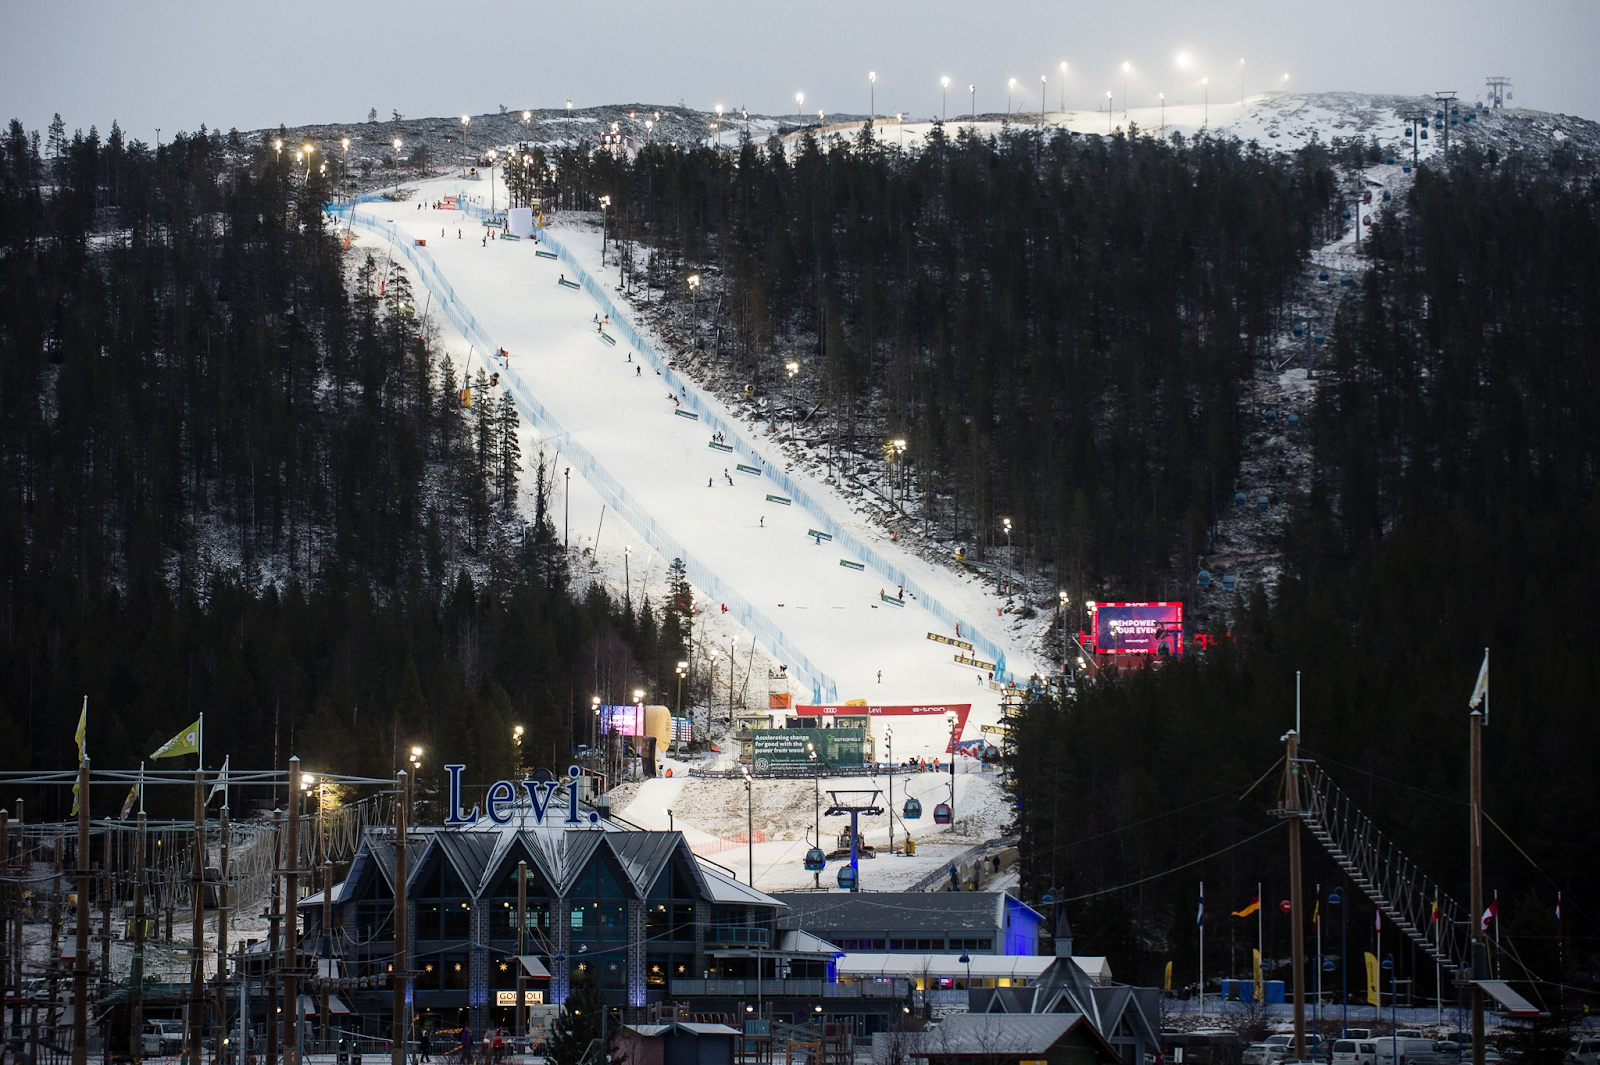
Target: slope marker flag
(1250,907)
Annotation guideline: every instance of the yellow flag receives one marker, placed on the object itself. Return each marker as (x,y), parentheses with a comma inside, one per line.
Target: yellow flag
(1261,984)
(1372,979)
(1167,985)
(185,742)
(82,736)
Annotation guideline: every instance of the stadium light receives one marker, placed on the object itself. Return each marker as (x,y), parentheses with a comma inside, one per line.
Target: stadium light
(1063,86)
(944,89)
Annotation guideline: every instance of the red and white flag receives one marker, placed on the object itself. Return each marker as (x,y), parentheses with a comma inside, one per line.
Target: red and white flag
(1491,914)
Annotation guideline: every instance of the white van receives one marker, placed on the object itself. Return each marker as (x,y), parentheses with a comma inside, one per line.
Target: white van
(1411,1051)
(1355,1052)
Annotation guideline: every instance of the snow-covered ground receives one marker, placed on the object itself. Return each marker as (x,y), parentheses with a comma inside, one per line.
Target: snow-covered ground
(612,403)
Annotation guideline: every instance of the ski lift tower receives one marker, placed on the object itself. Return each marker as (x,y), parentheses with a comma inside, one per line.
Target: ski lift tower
(1446,102)
(854,803)
(1419,121)
(1498,90)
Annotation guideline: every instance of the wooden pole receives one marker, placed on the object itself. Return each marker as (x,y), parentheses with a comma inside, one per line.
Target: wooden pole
(105,909)
(220,1028)
(274,1016)
(1297,937)
(1479,945)
(80,950)
(291,924)
(399,982)
(197,947)
(136,968)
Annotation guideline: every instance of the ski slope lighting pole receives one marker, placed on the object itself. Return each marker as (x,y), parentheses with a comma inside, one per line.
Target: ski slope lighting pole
(800,107)
(972,91)
(1042,81)
(750,828)
(1108,112)
(1064,601)
(1063,86)
(733,667)
(465,122)
(344,170)
(944,107)
(1241,82)
(491,183)
(872,96)
(1206,120)
(1010,88)
(1126,68)
(397,167)
(682,671)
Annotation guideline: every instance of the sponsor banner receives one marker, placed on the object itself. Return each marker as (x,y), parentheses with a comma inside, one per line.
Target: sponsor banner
(816,533)
(509,998)
(716,446)
(933,710)
(1137,628)
(778,750)
(785,500)
(994,730)
(963,644)
(779,700)
(691,415)
(847,564)
(977,663)
(742,468)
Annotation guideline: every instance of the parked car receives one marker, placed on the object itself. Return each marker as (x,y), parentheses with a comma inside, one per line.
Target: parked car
(1585,1051)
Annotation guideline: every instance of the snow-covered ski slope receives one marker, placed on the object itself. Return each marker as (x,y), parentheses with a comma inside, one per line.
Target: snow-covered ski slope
(609,410)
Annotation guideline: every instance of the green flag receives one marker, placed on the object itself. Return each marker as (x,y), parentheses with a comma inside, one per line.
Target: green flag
(185,742)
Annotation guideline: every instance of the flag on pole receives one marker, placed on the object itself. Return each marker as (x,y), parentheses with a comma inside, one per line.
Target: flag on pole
(1372,977)
(1377,920)
(1433,918)
(221,785)
(185,742)
(1250,907)
(1167,983)
(1316,913)
(127,804)
(1491,914)
(1200,912)
(1480,690)
(82,736)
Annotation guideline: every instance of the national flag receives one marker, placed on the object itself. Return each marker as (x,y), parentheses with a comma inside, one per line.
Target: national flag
(1491,914)
(1316,913)
(1480,690)
(221,784)
(1200,912)
(82,736)
(1433,917)
(127,804)
(1250,907)
(185,742)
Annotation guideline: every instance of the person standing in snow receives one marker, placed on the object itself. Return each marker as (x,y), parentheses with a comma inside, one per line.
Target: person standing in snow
(880,676)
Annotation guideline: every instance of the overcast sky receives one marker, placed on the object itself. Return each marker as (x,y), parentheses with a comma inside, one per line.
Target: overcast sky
(179,63)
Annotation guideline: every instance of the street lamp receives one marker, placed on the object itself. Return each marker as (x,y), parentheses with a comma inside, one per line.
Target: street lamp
(1007,523)
(465,122)
(899,446)
(1042,81)
(1010,87)
(872,96)
(344,175)
(750,827)
(491,182)
(694,290)
(1241,81)
(1108,112)
(605,215)
(682,671)
(944,89)
(516,741)
(1063,86)
(733,667)
(1064,601)
(1127,68)
(792,368)
(397,167)
(1394,1022)
(800,107)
